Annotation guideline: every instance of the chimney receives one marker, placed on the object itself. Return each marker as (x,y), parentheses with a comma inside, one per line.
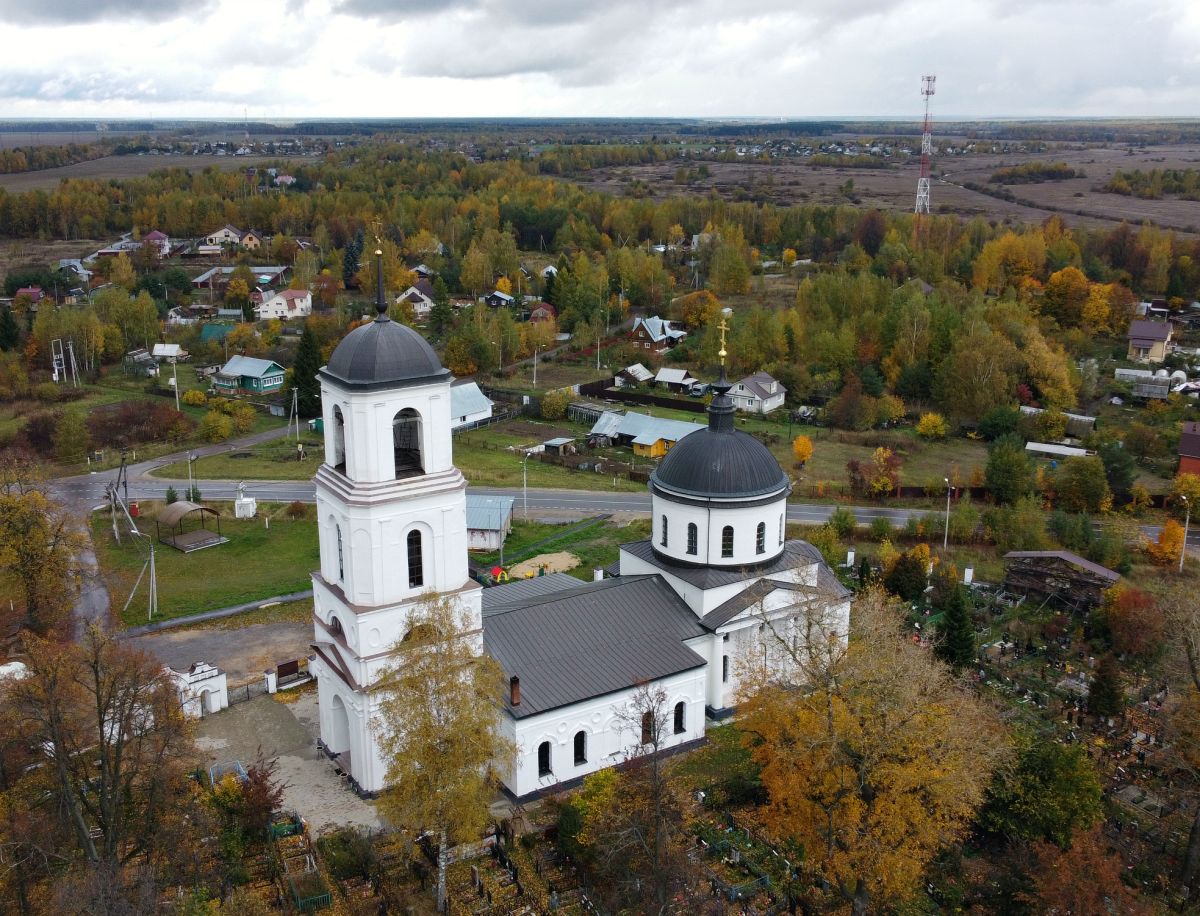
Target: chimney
(514,691)
(597,575)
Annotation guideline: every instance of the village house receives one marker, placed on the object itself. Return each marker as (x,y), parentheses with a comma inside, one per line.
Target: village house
(419,297)
(498,300)
(285,304)
(489,520)
(252,241)
(217,278)
(656,334)
(34,294)
(468,404)
(1189,448)
(543,311)
(1148,340)
(758,393)
(632,376)
(424,272)
(649,437)
(226,235)
(249,375)
(676,380)
(160,240)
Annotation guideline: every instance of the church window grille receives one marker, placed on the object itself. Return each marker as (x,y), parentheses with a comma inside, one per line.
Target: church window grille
(727,541)
(580,748)
(648,728)
(724,669)
(544,759)
(680,713)
(339,440)
(760,538)
(693,538)
(416,564)
(406,443)
(664,531)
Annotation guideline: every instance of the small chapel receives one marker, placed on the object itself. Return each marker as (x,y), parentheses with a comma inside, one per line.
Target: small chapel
(717,586)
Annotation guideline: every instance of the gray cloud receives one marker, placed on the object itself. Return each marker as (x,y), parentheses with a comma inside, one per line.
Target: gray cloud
(74,12)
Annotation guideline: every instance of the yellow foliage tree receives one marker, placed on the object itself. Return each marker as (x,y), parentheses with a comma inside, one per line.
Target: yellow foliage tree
(802,450)
(789,257)
(873,757)
(504,285)
(932,426)
(1186,485)
(1165,550)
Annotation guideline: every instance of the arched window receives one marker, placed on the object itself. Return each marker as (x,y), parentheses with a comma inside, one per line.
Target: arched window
(406,443)
(341,558)
(693,538)
(544,759)
(648,727)
(580,748)
(680,712)
(416,562)
(339,440)
(664,531)
(780,527)
(727,541)
(760,538)
(336,626)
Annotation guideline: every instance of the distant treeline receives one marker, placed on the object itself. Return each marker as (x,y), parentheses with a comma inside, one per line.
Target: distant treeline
(35,158)
(1156,183)
(1033,172)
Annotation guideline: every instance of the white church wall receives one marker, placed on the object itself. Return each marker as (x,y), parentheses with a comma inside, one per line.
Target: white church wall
(608,739)
(710,521)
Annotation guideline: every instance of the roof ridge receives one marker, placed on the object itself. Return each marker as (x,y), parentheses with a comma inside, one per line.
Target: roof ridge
(518,604)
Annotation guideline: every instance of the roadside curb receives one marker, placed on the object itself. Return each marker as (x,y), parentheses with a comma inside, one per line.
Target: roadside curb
(218,614)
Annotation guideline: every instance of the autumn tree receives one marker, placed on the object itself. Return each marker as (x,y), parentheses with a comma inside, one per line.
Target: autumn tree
(932,426)
(554,405)
(698,309)
(115,737)
(1087,877)
(1080,485)
(1167,547)
(1133,620)
(872,755)
(38,541)
(476,275)
(396,277)
(71,438)
(802,450)
(1106,696)
(439,731)
(1009,474)
(633,819)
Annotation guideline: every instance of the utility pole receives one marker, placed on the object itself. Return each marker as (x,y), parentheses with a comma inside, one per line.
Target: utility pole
(175,380)
(1187,518)
(535,362)
(525,483)
(946,534)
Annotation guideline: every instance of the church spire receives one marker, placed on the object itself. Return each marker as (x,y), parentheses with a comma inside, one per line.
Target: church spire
(720,410)
(380,299)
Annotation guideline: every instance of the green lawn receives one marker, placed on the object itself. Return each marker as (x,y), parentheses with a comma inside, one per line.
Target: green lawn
(256,563)
(596,544)
(274,460)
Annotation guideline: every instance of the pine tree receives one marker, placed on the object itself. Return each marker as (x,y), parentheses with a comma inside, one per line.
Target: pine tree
(441,316)
(864,572)
(10,334)
(172,496)
(1107,696)
(957,645)
(304,374)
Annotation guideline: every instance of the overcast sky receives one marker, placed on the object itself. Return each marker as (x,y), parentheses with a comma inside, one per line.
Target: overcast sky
(281,59)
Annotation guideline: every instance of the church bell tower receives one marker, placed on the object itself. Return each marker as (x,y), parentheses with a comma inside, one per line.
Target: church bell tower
(391,510)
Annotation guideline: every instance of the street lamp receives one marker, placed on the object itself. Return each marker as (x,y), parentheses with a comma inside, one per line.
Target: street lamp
(525,483)
(1187,517)
(535,361)
(191,486)
(946,534)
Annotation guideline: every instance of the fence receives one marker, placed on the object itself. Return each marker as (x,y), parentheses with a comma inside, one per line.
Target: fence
(247,692)
(488,421)
(603,389)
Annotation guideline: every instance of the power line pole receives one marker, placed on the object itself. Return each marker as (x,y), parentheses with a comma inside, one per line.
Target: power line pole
(922,206)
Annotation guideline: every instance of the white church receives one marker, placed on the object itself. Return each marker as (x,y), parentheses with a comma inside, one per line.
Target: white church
(717,583)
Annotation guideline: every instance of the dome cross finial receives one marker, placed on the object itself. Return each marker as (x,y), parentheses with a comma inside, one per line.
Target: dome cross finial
(380,299)
(722,327)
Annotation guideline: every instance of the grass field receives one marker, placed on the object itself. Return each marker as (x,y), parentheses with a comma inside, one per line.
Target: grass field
(268,461)
(123,167)
(595,543)
(256,563)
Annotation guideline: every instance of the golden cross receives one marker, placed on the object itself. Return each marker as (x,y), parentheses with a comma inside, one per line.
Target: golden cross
(722,327)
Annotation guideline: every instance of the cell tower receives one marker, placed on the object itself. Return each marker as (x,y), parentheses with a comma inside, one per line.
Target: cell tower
(926,148)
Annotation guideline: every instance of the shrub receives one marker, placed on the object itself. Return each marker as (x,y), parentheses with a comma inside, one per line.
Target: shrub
(296,510)
(171,496)
(216,427)
(133,422)
(932,426)
(194,398)
(907,579)
(826,540)
(39,431)
(243,417)
(554,405)
(47,391)
(881,528)
(1166,548)
(843,521)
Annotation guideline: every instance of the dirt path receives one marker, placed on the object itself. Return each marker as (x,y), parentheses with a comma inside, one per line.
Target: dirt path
(242,653)
(287,732)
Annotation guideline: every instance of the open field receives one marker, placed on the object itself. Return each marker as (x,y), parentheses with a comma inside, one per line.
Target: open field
(23,252)
(257,562)
(786,182)
(267,461)
(123,167)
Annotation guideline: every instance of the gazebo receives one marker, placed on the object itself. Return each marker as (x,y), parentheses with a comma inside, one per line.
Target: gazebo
(171,519)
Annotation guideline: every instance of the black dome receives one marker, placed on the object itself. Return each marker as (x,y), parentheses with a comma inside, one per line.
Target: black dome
(719,463)
(384,353)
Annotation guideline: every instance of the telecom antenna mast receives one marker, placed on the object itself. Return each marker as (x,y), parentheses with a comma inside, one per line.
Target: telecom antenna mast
(926,148)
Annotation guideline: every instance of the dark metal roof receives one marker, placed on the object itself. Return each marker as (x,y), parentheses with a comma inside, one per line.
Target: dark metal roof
(1149,331)
(1189,440)
(720,463)
(590,641)
(1073,558)
(828,586)
(793,555)
(500,596)
(384,353)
